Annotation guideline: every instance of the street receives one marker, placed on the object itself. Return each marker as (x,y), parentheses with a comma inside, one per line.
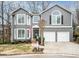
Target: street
(41,56)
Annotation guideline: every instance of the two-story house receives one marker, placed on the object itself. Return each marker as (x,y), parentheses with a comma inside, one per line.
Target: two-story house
(58,26)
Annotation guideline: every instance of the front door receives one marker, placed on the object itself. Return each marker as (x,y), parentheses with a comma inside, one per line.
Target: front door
(35,32)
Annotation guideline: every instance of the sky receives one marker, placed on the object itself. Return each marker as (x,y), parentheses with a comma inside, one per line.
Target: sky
(66,3)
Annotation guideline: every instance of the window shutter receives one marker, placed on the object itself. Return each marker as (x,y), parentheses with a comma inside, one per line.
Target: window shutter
(50,19)
(61,19)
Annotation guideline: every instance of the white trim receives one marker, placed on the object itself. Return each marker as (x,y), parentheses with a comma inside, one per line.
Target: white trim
(71,19)
(56,16)
(58,26)
(35,26)
(21,29)
(28,20)
(24,19)
(29,34)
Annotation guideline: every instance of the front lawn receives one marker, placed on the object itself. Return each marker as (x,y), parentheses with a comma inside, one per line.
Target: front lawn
(22,48)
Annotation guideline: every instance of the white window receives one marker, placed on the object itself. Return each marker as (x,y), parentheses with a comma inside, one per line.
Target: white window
(21,33)
(56,17)
(28,20)
(28,33)
(20,19)
(36,19)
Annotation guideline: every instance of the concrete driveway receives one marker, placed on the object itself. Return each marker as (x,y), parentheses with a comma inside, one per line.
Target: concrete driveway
(66,48)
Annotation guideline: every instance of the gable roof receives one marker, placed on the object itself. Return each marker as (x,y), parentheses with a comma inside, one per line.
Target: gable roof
(18,10)
(53,5)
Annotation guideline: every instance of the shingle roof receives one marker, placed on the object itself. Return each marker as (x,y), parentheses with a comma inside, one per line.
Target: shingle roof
(56,4)
(18,10)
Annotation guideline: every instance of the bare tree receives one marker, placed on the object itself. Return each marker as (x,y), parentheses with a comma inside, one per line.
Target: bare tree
(2,21)
(6,9)
(76,14)
(45,4)
(34,6)
(41,28)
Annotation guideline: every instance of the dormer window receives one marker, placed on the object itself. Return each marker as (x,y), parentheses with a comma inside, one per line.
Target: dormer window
(20,19)
(56,17)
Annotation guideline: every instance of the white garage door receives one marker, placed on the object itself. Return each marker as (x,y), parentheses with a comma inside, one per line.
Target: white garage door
(49,36)
(62,36)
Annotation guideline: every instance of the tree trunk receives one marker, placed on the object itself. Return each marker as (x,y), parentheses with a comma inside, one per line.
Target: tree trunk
(2,22)
(41,36)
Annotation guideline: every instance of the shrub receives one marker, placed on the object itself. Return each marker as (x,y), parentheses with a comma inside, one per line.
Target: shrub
(1,41)
(40,40)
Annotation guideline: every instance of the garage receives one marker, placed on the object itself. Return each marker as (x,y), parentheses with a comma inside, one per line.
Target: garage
(50,36)
(56,36)
(62,36)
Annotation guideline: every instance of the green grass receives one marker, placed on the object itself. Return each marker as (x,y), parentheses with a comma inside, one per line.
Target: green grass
(23,47)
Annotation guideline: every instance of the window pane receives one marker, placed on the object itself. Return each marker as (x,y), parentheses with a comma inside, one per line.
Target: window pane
(36,18)
(28,33)
(21,33)
(58,19)
(20,18)
(54,20)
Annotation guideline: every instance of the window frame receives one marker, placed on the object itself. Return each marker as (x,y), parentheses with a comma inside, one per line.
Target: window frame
(35,21)
(18,19)
(60,14)
(24,33)
(28,33)
(28,20)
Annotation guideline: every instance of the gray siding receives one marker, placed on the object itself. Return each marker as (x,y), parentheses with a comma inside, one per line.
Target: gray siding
(66,16)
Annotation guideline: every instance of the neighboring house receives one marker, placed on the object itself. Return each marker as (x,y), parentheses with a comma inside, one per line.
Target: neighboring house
(7,31)
(58,26)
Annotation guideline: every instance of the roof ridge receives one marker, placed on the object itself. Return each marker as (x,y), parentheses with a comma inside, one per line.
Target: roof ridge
(56,4)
